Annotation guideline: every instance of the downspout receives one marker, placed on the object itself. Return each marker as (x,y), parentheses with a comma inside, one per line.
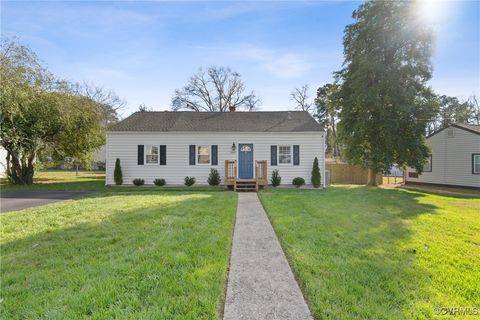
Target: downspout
(323,162)
(106,158)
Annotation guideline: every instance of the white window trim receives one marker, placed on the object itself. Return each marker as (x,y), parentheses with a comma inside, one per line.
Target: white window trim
(145,155)
(475,156)
(209,154)
(278,155)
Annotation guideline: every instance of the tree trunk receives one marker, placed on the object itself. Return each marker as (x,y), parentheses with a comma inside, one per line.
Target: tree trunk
(20,171)
(76,169)
(336,149)
(372,178)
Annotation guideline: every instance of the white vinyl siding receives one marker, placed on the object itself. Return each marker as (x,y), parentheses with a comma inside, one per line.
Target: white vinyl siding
(123,145)
(476,164)
(451,151)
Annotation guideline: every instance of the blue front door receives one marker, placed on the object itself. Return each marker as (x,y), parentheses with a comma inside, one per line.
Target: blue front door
(245,161)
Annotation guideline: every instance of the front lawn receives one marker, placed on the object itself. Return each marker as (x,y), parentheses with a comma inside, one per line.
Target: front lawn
(140,255)
(66,180)
(60,180)
(372,253)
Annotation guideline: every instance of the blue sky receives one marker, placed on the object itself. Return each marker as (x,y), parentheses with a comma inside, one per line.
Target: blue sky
(145,50)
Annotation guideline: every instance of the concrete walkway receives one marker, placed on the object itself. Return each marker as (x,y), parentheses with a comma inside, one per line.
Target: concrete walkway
(261,284)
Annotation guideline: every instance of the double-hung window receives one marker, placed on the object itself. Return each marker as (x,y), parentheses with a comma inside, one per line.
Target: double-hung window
(151,154)
(203,155)
(284,154)
(476,163)
(427,167)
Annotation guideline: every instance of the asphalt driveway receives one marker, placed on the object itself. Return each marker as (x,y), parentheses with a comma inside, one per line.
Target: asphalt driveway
(19,200)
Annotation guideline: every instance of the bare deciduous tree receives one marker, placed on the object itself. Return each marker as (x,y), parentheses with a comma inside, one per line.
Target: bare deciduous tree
(301,98)
(476,109)
(110,103)
(144,108)
(215,89)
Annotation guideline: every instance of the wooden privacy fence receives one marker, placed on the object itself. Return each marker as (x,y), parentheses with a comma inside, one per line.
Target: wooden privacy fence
(344,173)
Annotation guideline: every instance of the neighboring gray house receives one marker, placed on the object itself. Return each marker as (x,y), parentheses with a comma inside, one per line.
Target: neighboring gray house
(454,159)
(245,147)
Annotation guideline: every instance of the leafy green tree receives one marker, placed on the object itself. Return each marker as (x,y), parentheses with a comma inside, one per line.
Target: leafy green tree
(117,173)
(25,130)
(316,174)
(386,103)
(38,115)
(451,110)
(82,131)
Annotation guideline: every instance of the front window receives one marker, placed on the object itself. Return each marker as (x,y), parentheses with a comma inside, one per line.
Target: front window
(203,154)
(476,163)
(284,155)
(427,167)
(151,154)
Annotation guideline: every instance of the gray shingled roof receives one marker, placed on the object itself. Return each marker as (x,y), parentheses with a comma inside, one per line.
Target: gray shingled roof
(475,128)
(274,121)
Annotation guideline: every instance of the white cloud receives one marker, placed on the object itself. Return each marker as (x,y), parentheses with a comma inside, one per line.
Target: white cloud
(285,65)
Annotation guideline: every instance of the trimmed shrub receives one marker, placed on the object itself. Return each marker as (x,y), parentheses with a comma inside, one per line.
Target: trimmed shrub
(276,179)
(159,182)
(316,177)
(117,173)
(189,181)
(298,182)
(214,177)
(138,182)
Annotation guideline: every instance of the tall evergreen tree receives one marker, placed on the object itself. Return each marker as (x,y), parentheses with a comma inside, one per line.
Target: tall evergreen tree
(117,173)
(316,177)
(385,100)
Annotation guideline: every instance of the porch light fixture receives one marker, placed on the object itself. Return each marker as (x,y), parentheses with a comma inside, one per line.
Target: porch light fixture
(233,147)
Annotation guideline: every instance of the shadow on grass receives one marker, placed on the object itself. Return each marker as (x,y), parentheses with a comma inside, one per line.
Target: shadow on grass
(351,251)
(146,259)
(457,193)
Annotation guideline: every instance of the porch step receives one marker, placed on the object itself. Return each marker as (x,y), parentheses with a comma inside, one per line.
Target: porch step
(246,185)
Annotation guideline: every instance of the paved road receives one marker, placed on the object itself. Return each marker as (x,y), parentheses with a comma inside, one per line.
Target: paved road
(261,284)
(19,200)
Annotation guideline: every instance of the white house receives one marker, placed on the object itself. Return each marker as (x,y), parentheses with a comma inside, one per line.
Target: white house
(242,146)
(3,162)
(454,159)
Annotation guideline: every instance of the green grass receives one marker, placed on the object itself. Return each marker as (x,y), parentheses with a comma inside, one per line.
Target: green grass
(88,181)
(372,253)
(137,255)
(60,180)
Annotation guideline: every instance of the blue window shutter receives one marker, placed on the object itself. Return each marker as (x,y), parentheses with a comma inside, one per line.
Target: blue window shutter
(296,155)
(273,155)
(163,155)
(214,155)
(192,155)
(140,154)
